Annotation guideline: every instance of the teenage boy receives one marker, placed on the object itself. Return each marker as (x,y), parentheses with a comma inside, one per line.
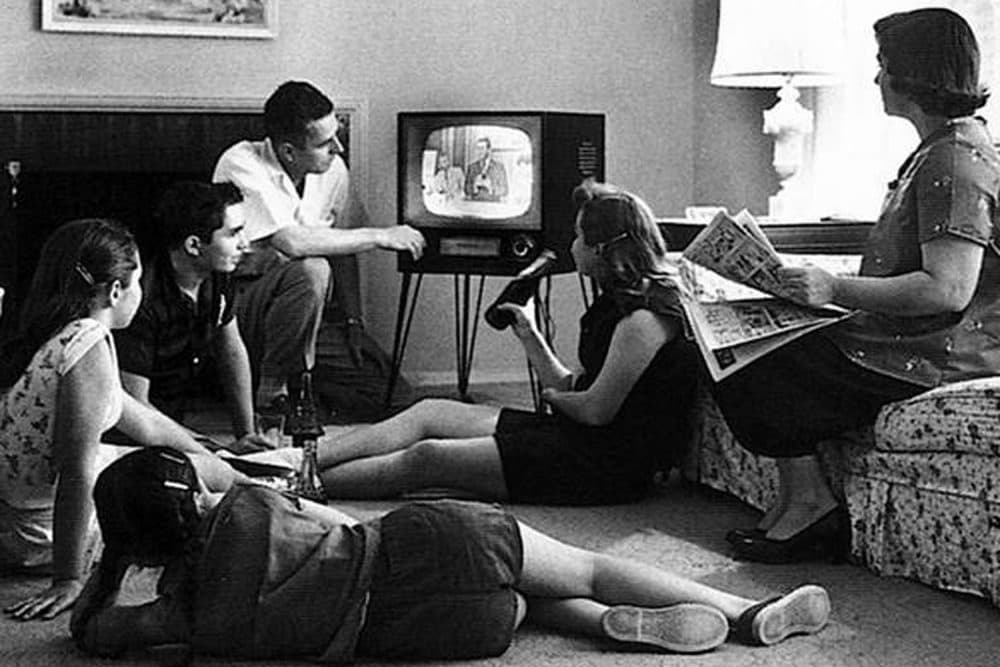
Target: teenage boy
(185,335)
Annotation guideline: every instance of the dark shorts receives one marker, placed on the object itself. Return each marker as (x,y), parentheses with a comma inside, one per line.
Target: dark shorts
(443,586)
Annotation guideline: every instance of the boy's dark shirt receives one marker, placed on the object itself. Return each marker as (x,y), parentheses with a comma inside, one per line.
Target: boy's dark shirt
(169,341)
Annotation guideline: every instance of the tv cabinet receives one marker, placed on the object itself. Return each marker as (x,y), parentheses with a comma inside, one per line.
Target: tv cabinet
(468,302)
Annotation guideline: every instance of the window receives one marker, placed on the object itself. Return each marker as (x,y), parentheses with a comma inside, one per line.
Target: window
(856,147)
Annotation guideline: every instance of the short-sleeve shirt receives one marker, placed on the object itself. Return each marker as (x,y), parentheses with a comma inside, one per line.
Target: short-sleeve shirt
(271,201)
(947,188)
(170,338)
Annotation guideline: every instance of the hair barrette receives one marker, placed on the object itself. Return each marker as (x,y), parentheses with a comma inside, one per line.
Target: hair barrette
(170,484)
(82,271)
(173,458)
(600,247)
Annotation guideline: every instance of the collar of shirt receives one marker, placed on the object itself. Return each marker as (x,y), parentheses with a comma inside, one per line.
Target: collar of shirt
(278,173)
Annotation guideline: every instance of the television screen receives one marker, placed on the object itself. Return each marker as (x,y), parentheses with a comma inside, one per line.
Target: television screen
(490,189)
(477,171)
(473,171)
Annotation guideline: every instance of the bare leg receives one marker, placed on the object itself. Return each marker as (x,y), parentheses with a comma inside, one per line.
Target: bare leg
(471,464)
(773,513)
(430,418)
(579,591)
(808,496)
(553,569)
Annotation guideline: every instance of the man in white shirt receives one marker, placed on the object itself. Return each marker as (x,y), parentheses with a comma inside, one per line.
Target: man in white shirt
(296,199)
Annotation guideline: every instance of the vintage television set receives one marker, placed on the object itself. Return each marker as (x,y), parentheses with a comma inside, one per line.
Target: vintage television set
(494,216)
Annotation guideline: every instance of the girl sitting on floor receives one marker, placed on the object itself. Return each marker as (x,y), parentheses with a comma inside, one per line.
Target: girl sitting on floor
(259,574)
(62,392)
(613,424)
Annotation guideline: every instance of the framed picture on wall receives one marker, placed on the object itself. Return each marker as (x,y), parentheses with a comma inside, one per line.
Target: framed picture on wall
(255,19)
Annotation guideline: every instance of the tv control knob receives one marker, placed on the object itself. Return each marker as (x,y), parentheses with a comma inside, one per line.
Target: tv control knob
(522,245)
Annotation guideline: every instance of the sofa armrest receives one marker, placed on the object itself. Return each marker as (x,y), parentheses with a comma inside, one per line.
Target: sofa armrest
(960,417)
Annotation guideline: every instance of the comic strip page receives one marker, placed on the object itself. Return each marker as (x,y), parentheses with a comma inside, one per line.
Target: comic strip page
(729,273)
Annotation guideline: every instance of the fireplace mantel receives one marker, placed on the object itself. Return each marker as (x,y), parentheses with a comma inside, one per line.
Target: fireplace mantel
(352,111)
(112,156)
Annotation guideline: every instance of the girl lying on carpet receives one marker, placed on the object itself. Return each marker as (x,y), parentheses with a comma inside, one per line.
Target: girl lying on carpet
(612,422)
(265,575)
(61,393)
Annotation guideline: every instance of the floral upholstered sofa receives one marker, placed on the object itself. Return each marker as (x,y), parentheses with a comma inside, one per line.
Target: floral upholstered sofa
(922,486)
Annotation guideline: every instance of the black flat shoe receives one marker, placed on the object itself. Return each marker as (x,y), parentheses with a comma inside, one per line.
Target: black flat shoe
(805,610)
(828,537)
(737,535)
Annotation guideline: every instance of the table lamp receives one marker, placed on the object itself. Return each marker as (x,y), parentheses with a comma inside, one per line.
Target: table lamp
(784,44)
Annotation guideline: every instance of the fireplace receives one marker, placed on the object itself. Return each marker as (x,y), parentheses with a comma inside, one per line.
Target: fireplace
(100,159)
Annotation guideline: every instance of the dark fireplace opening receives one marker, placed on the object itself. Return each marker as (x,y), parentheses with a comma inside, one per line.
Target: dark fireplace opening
(107,164)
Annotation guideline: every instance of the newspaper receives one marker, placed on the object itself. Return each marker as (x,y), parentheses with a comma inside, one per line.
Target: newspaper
(730,278)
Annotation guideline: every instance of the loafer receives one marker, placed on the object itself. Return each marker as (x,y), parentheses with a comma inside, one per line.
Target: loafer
(805,610)
(687,627)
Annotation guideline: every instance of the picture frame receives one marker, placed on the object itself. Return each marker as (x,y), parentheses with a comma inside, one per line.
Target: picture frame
(248,19)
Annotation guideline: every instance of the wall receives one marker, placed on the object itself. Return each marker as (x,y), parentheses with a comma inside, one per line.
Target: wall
(634,61)
(732,157)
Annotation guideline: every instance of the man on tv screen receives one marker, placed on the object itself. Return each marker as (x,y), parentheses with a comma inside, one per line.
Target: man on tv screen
(486,178)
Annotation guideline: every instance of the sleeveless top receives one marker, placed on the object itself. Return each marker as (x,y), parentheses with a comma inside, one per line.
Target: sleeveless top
(28,476)
(648,414)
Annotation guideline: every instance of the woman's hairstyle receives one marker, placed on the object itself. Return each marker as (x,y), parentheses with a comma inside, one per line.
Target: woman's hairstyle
(931,55)
(193,208)
(77,263)
(622,230)
(290,109)
(146,505)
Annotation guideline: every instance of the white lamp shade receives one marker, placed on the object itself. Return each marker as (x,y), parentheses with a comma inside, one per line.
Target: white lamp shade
(766,43)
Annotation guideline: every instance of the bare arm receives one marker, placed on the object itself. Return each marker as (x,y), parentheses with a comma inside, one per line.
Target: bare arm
(636,340)
(101,627)
(552,373)
(234,368)
(136,385)
(148,426)
(80,404)
(118,628)
(315,241)
(946,283)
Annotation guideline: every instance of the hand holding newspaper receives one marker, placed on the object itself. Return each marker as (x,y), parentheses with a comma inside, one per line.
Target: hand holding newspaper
(730,276)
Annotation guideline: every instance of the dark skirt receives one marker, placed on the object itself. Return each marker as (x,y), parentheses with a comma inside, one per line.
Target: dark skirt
(552,460)
(786,403)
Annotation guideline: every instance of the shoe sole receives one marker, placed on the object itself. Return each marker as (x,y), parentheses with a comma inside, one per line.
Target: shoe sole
(682,628)
(805,610)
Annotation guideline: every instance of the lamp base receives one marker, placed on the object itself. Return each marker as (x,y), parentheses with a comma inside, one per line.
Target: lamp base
(789,123)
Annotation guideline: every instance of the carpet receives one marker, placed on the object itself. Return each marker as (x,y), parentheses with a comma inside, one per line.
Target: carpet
(875,621)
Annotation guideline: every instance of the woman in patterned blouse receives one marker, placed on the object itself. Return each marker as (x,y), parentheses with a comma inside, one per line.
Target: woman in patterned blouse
(927,297)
